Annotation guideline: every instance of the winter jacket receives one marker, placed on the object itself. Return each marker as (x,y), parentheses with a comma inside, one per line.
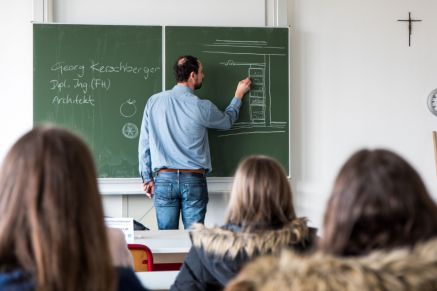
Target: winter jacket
(17,281)
(218,254)
(399,270)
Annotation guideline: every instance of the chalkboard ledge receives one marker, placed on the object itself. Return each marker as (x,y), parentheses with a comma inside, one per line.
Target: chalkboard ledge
(133,186)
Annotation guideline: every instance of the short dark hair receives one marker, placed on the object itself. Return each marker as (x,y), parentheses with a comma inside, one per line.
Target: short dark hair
(378,202)
(183,67)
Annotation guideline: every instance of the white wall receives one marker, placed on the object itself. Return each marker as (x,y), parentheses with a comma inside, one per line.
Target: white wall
(162,12)
(356,83)
(15,71)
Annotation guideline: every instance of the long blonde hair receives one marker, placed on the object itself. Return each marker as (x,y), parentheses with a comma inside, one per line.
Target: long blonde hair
(51,224)
(261,195)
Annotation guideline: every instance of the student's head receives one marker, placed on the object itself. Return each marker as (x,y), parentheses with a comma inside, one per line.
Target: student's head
(261,195)
(378,202)
(186,67)
(51,223)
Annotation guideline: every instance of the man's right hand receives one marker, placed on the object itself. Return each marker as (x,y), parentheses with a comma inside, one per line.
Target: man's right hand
(149,188)
(242,88)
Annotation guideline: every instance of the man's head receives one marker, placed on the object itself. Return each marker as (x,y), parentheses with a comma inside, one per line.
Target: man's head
(188,69)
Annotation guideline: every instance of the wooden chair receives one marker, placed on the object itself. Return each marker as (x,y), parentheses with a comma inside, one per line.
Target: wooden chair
(143,260)
(143,257)
(167,267)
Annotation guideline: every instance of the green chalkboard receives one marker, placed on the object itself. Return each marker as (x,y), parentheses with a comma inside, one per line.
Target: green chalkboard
(95,80)
(229,55)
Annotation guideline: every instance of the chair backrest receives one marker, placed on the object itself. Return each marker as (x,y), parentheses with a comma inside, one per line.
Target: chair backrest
(143,258)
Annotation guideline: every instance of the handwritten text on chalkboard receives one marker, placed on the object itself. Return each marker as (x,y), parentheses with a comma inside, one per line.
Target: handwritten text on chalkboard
(72,78)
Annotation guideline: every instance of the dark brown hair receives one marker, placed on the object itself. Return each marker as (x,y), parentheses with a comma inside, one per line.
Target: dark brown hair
(51,222)
(378,202)
(183,67)
(261,195)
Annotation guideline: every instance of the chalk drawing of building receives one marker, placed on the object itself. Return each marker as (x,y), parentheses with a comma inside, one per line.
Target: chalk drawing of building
(259,71)
(257,96)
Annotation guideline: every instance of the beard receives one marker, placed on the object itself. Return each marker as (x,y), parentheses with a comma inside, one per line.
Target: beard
(198,86)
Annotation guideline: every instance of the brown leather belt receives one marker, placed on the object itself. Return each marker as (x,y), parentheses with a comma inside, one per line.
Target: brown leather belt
(195,171)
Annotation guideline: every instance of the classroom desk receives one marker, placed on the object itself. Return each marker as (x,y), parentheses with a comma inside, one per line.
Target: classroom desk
(157,280)
(167,246)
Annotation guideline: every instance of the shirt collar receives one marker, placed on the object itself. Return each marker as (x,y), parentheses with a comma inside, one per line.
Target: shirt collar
(182,89)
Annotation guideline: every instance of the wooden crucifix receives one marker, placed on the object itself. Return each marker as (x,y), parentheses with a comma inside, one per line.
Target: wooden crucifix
(410,21)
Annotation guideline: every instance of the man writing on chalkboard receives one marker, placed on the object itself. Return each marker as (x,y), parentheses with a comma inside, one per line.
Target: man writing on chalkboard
(174,145)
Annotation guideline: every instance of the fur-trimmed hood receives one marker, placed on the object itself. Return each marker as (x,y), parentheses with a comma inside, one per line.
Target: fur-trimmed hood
(399,270)
(218,254)
(225,241)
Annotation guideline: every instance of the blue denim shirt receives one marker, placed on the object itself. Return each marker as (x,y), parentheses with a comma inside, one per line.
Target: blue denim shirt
(174,130)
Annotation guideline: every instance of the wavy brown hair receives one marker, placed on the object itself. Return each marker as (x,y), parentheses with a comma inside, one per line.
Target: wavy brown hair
(261,195)
(51,224)
(378,202)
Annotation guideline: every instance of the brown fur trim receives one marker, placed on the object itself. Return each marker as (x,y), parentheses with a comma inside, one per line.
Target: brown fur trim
(399,270)
(222,242)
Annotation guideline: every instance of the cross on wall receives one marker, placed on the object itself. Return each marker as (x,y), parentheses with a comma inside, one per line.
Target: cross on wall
(410,26)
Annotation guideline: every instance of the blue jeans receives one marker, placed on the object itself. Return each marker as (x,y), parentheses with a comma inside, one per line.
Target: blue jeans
(184,193)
